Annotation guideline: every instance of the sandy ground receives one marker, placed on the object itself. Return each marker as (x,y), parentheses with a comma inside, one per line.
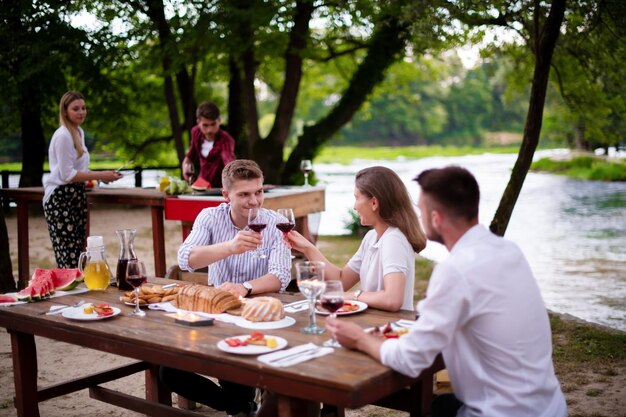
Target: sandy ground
(592,393)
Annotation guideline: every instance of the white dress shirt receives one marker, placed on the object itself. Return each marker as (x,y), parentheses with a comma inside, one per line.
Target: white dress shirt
(377,258)
(484,312)
(63,160)
(214,225)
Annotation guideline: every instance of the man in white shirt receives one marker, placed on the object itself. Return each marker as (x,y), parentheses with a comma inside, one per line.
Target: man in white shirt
(483,311)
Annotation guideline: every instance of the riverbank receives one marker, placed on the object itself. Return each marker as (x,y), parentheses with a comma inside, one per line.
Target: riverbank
(589,359)
(584,167)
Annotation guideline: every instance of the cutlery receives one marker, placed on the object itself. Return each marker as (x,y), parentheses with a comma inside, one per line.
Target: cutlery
(309,351)
(296,303)
(125,165)
(166,286)
(404,323)
(62,309)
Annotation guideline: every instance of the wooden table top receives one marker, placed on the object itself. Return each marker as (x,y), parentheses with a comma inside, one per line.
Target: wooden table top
(345,378)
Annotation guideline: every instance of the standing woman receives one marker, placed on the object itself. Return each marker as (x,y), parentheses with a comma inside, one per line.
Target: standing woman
(65,200)
(385,261)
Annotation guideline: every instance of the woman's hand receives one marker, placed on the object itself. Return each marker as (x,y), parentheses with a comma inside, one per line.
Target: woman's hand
(298,242)
(109,176)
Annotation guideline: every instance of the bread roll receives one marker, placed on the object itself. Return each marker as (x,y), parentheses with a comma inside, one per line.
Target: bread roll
(211,300)
(263,309)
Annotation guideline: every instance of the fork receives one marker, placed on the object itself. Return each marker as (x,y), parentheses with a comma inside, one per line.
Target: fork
(62,309)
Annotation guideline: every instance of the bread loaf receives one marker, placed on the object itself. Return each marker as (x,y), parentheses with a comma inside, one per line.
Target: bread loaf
(211,300)
(263,309)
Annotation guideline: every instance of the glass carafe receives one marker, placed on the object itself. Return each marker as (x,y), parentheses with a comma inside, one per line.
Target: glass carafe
(93,265)
(127,252)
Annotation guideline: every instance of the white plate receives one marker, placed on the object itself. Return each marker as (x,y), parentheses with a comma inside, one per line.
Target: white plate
(251,349)
(278,324)
(79,314)
(362,306)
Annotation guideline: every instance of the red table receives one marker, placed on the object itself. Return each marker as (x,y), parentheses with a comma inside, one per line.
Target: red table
(303,200)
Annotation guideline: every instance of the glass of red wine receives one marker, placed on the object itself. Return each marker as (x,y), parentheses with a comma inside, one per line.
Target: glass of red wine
(286,223)
(332,300)
(136,277)
(257,221)
(306,167)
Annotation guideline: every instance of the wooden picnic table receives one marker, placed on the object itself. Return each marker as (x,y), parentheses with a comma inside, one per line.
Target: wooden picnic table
(343,378)
(304,200)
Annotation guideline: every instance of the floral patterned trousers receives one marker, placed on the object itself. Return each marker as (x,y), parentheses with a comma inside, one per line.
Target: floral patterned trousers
(66,215)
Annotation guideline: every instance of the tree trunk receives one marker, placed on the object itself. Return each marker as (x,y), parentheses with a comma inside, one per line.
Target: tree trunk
(387,43)
(543,48)
(34,148)
(270,150)
(7,281)
(236,119)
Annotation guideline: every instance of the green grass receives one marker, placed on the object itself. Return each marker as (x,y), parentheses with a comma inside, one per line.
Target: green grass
(584,168)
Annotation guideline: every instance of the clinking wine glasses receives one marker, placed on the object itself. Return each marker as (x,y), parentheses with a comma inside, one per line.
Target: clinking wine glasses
(286,223)
(310,275)
(257,221)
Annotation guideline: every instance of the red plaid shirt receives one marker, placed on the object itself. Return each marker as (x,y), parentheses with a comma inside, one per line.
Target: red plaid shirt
(222,153)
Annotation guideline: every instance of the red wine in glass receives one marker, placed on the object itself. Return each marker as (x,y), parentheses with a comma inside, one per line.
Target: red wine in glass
(331,303)
(136,280)
(285,227)
(257,227)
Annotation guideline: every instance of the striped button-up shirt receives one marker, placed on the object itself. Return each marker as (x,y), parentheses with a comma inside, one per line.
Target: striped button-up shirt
(214,225)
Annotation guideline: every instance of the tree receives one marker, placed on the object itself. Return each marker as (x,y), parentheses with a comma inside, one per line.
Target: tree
(540,26)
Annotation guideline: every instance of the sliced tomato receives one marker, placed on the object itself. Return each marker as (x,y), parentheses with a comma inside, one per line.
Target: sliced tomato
(233,342)
(256,336)
(391,335)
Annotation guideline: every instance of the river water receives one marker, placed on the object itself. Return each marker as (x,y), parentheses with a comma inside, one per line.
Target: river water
(572,232)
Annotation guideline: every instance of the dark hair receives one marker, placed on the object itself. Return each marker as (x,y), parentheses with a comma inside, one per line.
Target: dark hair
(240,169)
(395,206)
(454,190)
(208,110)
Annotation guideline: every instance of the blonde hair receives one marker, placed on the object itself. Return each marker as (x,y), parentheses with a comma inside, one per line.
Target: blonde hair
(64,120)
(394,202)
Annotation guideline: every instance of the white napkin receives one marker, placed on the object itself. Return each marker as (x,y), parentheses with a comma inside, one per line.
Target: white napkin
(166,306)
(297,306)
(294,355)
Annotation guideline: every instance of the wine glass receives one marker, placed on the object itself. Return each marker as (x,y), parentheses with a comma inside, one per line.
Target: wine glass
(332,300)
(310,275)
(286,223)
(306,167)
(136,276)
(257,221)
(191,169)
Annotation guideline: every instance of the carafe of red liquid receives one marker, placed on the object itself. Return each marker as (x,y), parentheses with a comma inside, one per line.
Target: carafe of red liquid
(127,252)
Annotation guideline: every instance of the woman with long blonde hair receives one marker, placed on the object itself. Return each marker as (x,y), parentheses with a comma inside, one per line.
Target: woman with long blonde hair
(65,200)
(384,265)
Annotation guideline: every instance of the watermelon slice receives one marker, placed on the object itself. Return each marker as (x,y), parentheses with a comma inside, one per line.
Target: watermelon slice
(66,279)
(43,282)
(26,294)
(7,298)
(201,185)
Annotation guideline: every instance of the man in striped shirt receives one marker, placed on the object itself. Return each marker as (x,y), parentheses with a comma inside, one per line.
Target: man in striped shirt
(221,240)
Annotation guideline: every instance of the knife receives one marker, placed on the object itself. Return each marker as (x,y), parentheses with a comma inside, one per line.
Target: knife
(294,355)
(62,309)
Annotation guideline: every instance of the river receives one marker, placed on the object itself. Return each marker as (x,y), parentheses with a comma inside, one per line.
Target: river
(572,232)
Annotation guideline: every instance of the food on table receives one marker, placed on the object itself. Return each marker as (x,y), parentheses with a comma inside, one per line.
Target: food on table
(151,294)
(388,331)
(7,298)
(255,338)
(200,185)
(88,309)
(45,282)
(198,297)
(91,184)
(176,186)
(103,310)
(163,183)
(263,309)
